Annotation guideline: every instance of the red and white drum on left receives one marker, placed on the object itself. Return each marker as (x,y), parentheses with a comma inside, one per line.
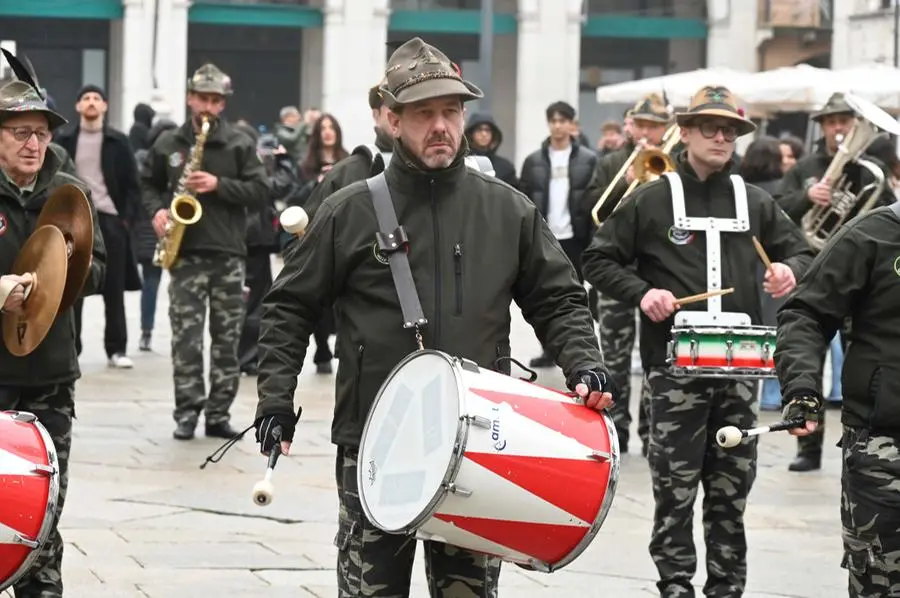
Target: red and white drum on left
(29,490)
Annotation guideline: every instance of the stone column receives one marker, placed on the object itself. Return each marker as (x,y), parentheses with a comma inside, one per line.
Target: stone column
(132,65)
(549,66)
(354,54)
(171,59)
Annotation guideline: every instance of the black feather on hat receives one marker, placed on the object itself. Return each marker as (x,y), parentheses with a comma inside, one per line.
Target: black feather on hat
(25,93)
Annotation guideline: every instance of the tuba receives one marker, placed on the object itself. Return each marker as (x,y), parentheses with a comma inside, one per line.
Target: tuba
(185,209)
(821,222)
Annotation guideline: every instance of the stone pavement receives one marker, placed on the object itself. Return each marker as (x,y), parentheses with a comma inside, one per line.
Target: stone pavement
(142,520)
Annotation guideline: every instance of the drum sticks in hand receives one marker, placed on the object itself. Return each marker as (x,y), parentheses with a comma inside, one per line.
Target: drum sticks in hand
(731,436)
(702,296)
(762,253)
(264,490)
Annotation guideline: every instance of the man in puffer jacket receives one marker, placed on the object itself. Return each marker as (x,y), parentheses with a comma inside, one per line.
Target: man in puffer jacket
(485,137)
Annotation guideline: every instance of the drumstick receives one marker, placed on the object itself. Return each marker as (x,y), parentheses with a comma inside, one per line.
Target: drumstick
(703,296)
(762,253)
(731,436)
(263,490)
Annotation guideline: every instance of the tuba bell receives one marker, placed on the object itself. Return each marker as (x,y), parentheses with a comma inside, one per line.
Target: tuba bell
(821,222)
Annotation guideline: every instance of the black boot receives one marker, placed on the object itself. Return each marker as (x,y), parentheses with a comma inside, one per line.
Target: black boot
(220,430)
(806,463)
(144,344)
(184,430)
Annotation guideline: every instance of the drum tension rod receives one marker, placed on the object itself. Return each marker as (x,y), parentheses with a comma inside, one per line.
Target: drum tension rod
(20,539)
(47,470)
(600,456)
(729,351)
(478,420)
(451,487)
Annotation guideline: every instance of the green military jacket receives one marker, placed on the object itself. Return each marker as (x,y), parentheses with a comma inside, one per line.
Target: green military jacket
(476,245)
(244,185)
(55,360)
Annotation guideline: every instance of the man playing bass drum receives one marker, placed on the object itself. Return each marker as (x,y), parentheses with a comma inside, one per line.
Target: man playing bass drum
(672,260)
(856,275)
(801,189)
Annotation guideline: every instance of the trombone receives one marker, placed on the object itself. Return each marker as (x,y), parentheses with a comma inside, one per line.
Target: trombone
(649,162)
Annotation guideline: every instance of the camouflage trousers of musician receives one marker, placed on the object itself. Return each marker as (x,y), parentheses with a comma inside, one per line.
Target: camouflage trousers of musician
(54,407)
(374,564)
(870,512)
(195,282)
(685,414)
(618,329)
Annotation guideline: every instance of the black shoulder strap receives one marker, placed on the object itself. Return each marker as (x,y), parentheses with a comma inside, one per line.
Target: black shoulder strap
(376,158)
(392,241)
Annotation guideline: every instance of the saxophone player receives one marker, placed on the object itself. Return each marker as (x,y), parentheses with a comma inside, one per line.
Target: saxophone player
(802,188)
(210,265)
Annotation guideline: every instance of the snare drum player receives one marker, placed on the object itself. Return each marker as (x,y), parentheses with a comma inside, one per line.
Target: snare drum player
(856,274)
(43,382)
(475,245)
(671,262)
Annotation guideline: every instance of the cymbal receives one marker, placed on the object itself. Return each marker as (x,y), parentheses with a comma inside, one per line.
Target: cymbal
(69,210)
(44,255)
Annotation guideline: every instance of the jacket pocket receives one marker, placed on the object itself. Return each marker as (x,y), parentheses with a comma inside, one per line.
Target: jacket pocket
(458,277)
(885,388)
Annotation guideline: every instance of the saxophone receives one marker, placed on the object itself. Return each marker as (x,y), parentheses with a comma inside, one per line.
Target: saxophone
(184,209)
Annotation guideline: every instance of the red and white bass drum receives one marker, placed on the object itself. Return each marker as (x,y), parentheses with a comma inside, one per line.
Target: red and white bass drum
(29,490)
(455,453)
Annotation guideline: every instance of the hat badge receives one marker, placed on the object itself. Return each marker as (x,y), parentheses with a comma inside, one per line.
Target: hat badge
(716,94)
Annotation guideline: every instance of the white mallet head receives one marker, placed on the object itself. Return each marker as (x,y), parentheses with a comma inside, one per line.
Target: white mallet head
(262,493)
(294,220)
(729,436)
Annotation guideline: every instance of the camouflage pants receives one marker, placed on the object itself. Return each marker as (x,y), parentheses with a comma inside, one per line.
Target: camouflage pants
(617,333)
(54,407)
(685,414)
(870,513)
(374,564)
(195,281)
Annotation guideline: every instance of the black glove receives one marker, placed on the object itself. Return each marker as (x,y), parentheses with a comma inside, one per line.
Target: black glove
(597,379)
(266,424)
(805,404)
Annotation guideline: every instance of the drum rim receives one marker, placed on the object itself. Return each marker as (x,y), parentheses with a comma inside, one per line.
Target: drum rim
(459,446)
(611,486)
(52,500)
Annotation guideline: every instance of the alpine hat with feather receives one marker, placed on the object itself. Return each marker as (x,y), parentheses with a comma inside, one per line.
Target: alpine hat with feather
(24,94)
(418,71)
(716,100)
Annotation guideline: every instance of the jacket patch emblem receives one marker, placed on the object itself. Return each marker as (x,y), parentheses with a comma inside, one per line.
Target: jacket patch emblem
(2,224)
(896,261)
(680,236)
(176,159)
(379,255)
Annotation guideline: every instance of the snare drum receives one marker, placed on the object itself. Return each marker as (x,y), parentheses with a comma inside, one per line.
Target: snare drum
(720,352)
(458,454)
(29,489)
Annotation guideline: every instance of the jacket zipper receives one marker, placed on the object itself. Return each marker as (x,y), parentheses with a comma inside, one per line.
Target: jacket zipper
(457,266)
(437,269)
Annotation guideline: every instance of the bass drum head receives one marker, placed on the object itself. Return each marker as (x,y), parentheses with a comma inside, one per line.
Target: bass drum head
(409,445)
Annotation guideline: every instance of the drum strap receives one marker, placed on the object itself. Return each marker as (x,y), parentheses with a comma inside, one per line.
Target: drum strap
(393,242)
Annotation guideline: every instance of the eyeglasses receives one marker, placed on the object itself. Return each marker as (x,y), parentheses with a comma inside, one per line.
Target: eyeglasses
(23,134)
(710,129)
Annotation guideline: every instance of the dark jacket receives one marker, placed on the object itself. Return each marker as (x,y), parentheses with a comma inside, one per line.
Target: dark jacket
(67,165)
(139,135)
(120,176)
(855,275)
(455,219)
(143,235)
(231,156)
(640,232)
(535,183)
(503,168)
(264,233)
(54,361)
(791,194)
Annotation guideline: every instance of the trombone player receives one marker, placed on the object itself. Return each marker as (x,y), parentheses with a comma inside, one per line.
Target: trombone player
(805,188)
(650,119)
